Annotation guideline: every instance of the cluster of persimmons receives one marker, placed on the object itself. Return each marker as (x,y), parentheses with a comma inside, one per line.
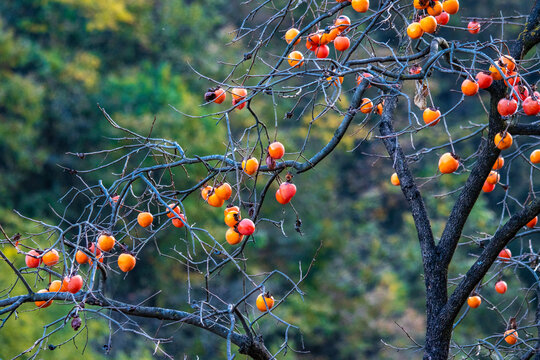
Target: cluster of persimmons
(215,196)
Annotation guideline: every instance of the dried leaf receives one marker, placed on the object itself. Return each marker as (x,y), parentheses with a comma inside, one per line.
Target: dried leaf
(420,97)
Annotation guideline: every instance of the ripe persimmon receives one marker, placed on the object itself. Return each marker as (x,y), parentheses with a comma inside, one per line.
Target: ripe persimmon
(499,163)
(507,107)
(451,6)
(495,73)
(415,70)
(215,201)
(75,284)
(501,287)
(43,304)
(342,43)
(287,190)
(511,336)
(322,51)
(493,177)
(50,258)
(448,163)
(474,301)
(428,24)
(334,81)
(276,150)
(469,87)
(175,208)
(473,27)
(291,34)
(361,78)
(421,4)
(145,219)
(414,30)
(126,262)
(220,96)
(512,78)
(217,95)
(520,92)
(177,222)
(367,106)
(431,116)
(313,41)
(229,209)
(505,254)
(32,259)
(246,227)
(106,242)
(531,106)
(250,166)
(503,141)
(531,224)
(484,80)
(535,156)
(329,36)
(224,191)
(443,18)
(487,187)
(56,286)
(264,302)
(233,237)
(394,179)
(232,218)
(342,23)
(360,6)
(238,94)
(295,59)
(508,62)
(436,9)
(280,199)
(95,250)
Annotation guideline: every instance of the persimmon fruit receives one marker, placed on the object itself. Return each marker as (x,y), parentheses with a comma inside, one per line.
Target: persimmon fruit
(32,259)
(75,284)
(145,219)
(503,141)
(233,237)
(126,262)
(224,191)
(106,242)
(394,179)
(276,150)
(474,301)
(501,287)
(50,258)
(431,116)
(264,302)
(448,163)
(43,304)
(250,166)
(246,227)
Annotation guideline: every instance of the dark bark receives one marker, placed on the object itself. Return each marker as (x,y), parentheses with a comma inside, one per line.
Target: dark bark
(435,275)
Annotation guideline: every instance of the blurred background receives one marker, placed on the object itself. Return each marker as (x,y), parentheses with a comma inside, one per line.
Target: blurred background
(60,58)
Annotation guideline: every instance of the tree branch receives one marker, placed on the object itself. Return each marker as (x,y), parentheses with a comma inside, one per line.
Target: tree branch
(252,346)
(475,274)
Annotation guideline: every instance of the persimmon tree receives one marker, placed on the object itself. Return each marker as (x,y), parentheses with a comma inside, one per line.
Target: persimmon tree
(373,65)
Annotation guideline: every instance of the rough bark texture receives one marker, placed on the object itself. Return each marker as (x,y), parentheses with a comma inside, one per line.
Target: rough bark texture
(435,275)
